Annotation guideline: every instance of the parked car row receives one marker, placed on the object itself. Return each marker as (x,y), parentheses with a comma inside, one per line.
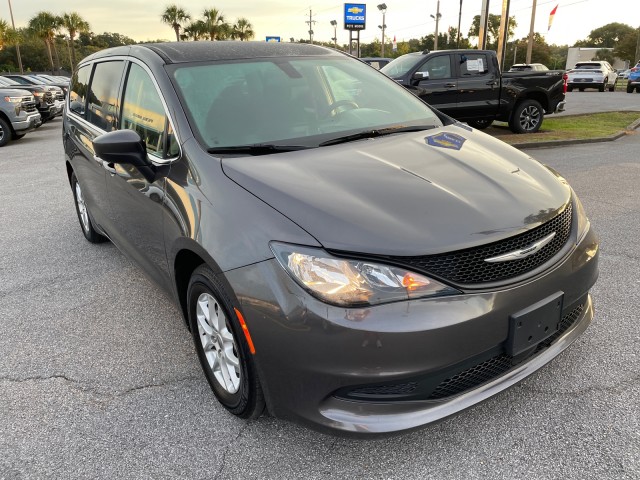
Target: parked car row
(27,101)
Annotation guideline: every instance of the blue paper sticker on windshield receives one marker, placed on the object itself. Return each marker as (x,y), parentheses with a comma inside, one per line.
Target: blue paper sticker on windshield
(446,140)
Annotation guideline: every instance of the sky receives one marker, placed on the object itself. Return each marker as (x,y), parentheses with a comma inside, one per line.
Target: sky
(405,19)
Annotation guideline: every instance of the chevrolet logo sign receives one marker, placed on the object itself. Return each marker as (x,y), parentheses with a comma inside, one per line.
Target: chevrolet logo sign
(524,252)
(355,10)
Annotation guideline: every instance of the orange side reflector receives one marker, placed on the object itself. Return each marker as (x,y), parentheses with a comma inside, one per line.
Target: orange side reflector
(245,330)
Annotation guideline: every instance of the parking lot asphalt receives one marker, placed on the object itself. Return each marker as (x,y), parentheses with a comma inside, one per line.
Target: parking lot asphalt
(99,378)
(591,101)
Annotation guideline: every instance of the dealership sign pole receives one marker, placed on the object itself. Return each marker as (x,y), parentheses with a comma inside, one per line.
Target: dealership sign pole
(354,21)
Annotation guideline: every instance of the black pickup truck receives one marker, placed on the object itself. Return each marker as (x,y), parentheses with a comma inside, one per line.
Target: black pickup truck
(468,86)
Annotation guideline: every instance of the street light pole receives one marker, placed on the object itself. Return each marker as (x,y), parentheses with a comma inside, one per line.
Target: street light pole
(335,33)
(383,8)
(437,19)
(13,24)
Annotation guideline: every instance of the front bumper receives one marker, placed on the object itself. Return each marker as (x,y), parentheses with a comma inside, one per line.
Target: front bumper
(309,353)
(32,121)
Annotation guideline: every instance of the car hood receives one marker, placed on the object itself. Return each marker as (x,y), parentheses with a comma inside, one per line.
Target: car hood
(406,194)
(13,92)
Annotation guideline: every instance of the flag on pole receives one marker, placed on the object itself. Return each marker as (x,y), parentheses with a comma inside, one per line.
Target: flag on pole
(395,44)
(551,15)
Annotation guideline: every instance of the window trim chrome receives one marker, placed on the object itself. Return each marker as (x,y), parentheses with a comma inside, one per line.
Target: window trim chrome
(153,159)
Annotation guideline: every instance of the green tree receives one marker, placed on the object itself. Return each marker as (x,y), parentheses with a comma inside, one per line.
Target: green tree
(625,49)
(243,30)
(606,36)
(541,52)
(73,23)
(493,29)
(215,23)
(44,26)
(175,16)
(196,30)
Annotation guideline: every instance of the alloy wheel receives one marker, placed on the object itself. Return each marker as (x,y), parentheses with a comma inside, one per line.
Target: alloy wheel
(529,118)
(218,343)
(82,208)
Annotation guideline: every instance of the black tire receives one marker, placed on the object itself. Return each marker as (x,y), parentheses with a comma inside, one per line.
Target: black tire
(5,132)
(629,89)
(569,89)
(204,289)
(526,117)
(601,87)
(480,124)
(612,88)
(581,89)
(86,223)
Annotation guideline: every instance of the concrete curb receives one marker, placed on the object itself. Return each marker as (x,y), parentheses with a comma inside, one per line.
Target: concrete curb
(560,143)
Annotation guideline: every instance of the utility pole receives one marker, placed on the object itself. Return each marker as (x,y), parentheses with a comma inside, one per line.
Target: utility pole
(311,21)
(484,23)
(459,21)
(437,19)
(531,28)
(504,32)
(13,24)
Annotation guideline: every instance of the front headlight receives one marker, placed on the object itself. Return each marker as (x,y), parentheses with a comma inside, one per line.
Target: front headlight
(13,99)
(353,283)
(583,221)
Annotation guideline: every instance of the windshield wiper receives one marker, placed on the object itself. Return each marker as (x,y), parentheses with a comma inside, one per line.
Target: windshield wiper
(257,149)
(378,132)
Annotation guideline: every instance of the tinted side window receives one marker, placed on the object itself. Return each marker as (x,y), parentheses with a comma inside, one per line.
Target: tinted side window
(437,67)
(143,112)
(78,90)
(473,64)
(103,95)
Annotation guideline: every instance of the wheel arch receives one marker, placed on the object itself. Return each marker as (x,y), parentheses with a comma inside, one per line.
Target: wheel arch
(6,119)
(541,97)
(188,256)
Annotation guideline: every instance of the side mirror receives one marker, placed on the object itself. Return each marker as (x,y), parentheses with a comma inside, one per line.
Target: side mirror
(420,76)
(121,146)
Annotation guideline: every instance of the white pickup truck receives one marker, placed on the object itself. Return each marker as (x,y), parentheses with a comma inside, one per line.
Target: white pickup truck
(593,74)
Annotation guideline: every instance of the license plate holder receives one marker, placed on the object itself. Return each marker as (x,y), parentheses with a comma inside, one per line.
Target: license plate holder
(534,324)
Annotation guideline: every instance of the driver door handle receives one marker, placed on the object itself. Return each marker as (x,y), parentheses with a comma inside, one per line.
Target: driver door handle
(449,85)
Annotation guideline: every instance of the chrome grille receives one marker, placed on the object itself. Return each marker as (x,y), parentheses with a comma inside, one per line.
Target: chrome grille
(468,267)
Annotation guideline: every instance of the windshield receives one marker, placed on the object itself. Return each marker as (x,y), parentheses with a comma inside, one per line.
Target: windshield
(400,66)
(292,101)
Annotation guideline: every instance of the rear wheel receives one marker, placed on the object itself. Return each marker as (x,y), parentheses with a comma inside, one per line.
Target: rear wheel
(480,124)
(601,87)
(83,213)
(569,89)
(5,132)
(222,349)
(581,89)
(526,117)
(629,89)
(612,88)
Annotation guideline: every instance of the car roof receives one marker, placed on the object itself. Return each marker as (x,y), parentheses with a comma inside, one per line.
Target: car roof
(182,52)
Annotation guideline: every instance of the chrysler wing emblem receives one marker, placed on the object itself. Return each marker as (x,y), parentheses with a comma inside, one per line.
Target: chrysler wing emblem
(524,252)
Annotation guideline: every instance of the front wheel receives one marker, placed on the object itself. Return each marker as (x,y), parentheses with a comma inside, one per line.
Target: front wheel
(526,117)
(480,124)
(82,210)
(223,351)
(5,132)
(612,88)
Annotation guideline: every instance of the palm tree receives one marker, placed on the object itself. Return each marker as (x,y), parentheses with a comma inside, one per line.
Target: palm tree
(214,20)
(44,26)
(243,29)
(74,24)
(175,16)
(196,30)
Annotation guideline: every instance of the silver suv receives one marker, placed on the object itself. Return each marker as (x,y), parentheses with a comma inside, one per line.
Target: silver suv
(592,74)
